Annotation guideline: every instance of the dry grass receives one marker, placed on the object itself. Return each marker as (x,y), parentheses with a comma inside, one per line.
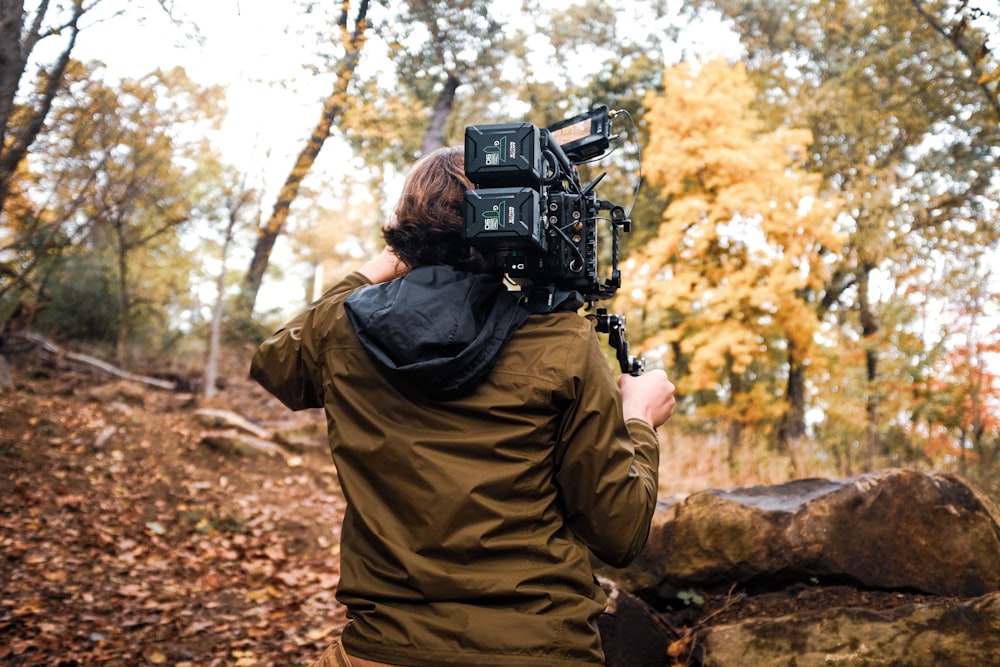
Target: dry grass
(692,462)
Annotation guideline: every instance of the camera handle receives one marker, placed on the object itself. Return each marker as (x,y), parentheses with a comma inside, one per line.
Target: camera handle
(547,299)
(614,326)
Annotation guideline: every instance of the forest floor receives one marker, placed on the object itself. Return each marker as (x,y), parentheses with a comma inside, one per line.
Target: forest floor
(125,540)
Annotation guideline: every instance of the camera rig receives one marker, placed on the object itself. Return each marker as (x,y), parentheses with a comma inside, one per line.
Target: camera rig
(536,223)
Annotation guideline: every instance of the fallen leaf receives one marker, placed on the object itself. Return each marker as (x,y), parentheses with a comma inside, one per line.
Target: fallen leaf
(320,633)
(275,552)
(156,528)
(258,595)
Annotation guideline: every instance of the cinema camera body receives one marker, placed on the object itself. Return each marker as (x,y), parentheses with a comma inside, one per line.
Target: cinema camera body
(537,223)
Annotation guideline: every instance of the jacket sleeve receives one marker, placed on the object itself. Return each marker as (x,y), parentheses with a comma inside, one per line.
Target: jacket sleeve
(608,469)
(287,363)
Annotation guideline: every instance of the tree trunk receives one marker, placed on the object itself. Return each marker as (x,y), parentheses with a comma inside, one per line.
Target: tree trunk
(734,428)
(434,138)
(60,355)
(215,327)
(15,142)
(869,331)
(793,422)
(124,302)
(11,65)
(977,379)
(332,109)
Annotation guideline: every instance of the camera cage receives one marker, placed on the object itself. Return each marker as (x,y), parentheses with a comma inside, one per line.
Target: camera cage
(530,213)
(532,218)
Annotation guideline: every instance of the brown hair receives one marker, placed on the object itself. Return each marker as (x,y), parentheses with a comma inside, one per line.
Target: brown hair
(427,227)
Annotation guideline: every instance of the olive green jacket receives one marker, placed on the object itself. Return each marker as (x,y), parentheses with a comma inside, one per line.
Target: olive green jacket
(471,520)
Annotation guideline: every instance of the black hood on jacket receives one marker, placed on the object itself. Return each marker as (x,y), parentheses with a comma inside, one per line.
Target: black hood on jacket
(437,329)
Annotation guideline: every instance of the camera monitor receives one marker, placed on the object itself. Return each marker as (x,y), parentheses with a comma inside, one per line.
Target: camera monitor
(585,136)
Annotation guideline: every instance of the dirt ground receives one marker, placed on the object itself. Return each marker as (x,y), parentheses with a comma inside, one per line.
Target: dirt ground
(125,540)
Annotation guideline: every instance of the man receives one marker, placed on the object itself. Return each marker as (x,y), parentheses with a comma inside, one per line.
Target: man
(485,454)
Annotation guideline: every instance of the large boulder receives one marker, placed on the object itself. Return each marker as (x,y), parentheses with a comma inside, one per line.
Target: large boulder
(932,634)
(894,529)
(631,631)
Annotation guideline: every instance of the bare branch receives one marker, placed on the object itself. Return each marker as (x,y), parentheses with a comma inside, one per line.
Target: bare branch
(954,36)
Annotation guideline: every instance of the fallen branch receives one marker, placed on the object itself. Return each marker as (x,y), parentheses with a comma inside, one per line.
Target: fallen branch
(59,353)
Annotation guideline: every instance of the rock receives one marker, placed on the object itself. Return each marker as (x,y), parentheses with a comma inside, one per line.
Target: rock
(234,442)
(225,419)
(826,625)
(630,633)
(895,529)
(301,434)
(956,634)
(6,377)
(123,391)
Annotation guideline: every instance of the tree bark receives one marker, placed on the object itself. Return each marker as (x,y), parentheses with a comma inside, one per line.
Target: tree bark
(15,142)
(215,327)
(734,427)
(11,64)
(57,353)
(869,330)
(793,423)
(434,137)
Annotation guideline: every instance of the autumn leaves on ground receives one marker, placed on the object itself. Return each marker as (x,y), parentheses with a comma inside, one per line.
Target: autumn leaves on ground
(124,541)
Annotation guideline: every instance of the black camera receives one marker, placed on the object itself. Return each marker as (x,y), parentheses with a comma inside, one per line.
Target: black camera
(535,222)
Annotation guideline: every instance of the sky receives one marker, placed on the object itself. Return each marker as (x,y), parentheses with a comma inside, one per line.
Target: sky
(273,103)
(245,48)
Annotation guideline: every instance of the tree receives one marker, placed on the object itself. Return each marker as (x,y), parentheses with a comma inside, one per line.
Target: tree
(973,45)
(117,169)
(442,65)
(234,203)
(37,42)
(28,36)
(905,129)
(340,229)
(435,48)
(352,40)
(957,398)
(20,124)
(453,63)
(724,290)
(445,60)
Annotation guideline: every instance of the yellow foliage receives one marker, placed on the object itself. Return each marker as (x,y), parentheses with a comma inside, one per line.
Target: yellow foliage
(741,245)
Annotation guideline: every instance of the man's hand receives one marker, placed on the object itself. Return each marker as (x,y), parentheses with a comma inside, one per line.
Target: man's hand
(649,397)
(383,267)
